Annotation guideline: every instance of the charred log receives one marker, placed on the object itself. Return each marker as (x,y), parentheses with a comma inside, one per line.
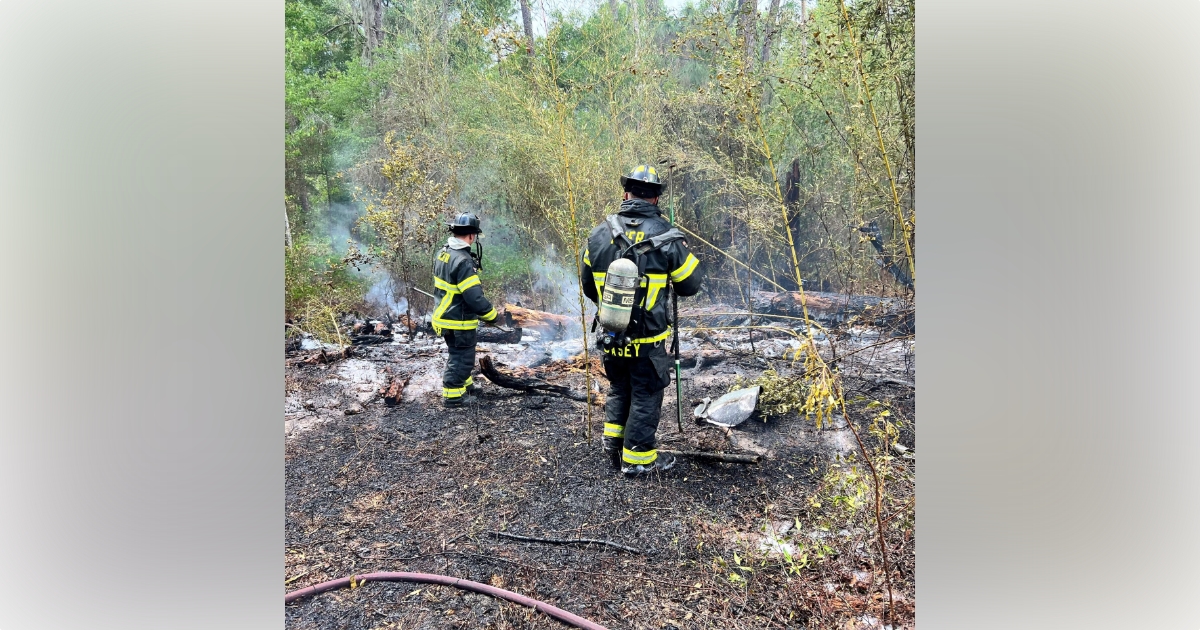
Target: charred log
(700,358)
(526,384)
(488,334)
(395,391)
(835,308)
(541,321)
(323,357)
(366,340)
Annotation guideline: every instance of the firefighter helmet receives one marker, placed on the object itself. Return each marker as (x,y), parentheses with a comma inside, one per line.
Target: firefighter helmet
(642,182)
(465,223)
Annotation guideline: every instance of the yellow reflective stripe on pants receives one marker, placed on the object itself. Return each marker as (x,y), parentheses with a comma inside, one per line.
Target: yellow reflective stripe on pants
(639,457)
(686,269)
(454,392)
(613,430)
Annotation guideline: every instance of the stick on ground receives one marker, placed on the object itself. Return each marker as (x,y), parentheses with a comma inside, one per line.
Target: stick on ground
(566,541)
(713,456)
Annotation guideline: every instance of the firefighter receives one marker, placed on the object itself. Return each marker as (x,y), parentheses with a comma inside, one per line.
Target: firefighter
(460,306)
(636,362)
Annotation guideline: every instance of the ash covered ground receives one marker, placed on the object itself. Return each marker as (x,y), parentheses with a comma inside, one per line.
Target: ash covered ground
(414,487)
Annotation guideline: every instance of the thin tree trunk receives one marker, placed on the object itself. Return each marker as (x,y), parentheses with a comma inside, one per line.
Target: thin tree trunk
(372,11)
(287,228)
(747,11)
(612,6)
(770,31)
(637,26)
(527,20)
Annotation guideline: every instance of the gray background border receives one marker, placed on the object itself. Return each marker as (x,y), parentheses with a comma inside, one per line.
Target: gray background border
(141,287)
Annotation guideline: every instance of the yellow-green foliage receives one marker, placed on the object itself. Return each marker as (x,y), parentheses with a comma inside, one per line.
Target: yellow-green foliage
(780,395)
(318,288)
(406,210)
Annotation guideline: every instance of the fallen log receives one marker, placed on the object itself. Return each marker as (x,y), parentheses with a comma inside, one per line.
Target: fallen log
(491,334)
(714,456)
(837,308)
(395,391)
(493,374)
(365,340)
(323,357)
(546,323)
(700,358)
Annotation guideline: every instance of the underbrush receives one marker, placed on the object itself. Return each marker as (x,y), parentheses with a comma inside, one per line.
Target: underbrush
(318,287)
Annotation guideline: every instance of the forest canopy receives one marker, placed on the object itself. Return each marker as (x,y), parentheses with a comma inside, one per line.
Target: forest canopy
(790,126)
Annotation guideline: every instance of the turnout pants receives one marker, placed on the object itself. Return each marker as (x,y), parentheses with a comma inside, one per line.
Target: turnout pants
(637,375)
(459,365)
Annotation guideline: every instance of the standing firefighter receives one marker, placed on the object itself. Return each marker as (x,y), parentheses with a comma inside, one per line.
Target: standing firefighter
(460,306)
(637,251)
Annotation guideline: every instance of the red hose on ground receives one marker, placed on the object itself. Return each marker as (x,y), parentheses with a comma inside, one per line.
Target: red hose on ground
(430,578)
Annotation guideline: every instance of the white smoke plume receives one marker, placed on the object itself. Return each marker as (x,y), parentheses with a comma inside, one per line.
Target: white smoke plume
(556,282)
(387,294)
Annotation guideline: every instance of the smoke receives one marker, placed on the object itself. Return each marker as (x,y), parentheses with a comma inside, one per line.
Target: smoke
(556,282)
(338,223)
(387,294)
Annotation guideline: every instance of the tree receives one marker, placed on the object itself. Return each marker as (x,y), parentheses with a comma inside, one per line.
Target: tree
(527,20)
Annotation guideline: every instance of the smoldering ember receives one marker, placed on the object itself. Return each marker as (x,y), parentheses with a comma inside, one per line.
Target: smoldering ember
(600,314)
(516,493)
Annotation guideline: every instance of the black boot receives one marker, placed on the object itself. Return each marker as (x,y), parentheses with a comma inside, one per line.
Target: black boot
(663,462)
(612,450)
(459,402)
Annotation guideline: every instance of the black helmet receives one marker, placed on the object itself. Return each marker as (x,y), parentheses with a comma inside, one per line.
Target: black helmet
(465,223)
(642,182)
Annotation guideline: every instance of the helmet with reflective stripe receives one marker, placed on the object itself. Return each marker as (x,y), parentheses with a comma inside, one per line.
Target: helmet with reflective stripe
(642,182)
(465,223)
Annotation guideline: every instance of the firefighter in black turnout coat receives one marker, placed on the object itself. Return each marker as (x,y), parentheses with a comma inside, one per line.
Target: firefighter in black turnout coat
(636,360)
(460,306)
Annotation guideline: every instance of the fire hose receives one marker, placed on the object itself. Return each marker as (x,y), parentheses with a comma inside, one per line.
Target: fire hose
(354,581)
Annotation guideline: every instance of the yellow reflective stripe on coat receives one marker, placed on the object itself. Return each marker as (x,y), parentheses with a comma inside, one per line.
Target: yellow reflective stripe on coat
(455,324)
(599,277)
(489,316)
(639,457)
(613,430)
(445,286)
(443,305)
(586,260)
(468,283)
(655,339)
(470,381)
(686,269)
(655,283)
(453,392)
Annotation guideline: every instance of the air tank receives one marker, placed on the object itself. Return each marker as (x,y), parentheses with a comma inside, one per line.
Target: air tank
(616,303)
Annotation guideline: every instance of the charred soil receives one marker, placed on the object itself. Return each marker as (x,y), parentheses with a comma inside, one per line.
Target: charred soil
(414,487)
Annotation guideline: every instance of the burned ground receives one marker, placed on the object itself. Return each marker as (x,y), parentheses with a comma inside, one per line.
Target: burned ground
(413,487)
